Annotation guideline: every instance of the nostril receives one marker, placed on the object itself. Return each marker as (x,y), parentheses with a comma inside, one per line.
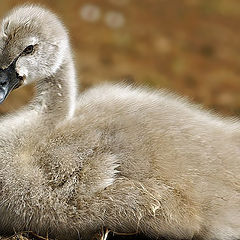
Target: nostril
(3,83)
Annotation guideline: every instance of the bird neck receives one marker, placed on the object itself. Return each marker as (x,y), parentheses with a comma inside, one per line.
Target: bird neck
(56,95)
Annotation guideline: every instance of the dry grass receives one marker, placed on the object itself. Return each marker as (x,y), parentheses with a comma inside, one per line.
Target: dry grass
(104,235)
(28,235)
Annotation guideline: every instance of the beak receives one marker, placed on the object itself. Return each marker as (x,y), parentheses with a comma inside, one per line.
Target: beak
(9,80)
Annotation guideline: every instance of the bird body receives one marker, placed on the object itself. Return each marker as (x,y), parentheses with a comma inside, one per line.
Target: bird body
(118,157)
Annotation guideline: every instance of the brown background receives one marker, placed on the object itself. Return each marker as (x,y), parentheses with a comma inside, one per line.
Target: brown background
(189,46)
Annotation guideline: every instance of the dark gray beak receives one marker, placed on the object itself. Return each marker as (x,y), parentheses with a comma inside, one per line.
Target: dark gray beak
(9,80)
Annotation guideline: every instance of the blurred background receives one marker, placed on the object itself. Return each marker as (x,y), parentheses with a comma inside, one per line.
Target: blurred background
(191,47)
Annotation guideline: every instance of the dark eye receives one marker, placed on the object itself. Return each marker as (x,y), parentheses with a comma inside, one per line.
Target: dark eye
(28,49)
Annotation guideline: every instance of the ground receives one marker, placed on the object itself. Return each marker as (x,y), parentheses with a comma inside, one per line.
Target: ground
(191,47)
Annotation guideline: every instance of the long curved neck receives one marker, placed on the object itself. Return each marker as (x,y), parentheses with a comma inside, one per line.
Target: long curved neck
(56,95)
(53,103)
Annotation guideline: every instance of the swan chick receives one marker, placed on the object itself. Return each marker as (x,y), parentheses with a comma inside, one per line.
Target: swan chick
(117,157)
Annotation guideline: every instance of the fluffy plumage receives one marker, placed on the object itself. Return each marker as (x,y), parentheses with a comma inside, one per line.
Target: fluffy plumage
(117,157)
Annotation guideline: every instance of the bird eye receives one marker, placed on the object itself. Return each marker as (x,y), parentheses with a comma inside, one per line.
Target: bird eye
(28,49)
